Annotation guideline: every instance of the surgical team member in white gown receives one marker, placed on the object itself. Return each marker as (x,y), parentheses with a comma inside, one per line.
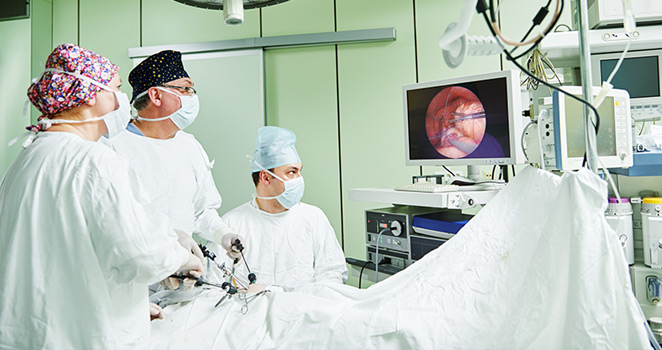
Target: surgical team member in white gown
(173,168)
(291,243)
(77,249)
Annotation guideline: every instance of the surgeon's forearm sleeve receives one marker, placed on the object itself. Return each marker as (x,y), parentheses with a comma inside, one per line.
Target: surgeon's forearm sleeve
(132,242)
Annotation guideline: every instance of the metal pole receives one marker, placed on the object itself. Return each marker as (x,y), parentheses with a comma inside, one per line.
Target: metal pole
(587,90)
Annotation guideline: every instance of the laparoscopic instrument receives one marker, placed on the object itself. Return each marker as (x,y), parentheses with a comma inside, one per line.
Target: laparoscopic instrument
(227,286)
(462,116)
(229,289)
(240,248)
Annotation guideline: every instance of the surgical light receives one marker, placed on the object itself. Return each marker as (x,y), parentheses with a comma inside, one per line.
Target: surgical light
(233,10)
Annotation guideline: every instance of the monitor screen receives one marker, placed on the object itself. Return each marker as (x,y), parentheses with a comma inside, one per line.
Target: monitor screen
(462,121)
(638,75)
(606,137)
(567,148)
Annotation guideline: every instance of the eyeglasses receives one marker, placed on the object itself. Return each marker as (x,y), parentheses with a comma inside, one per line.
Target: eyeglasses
(185,90)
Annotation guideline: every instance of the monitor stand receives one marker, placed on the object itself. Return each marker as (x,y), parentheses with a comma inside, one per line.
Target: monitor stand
(473,172)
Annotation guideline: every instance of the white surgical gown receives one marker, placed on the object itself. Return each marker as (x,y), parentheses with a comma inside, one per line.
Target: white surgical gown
(176,177)
(288,249)
(77,249)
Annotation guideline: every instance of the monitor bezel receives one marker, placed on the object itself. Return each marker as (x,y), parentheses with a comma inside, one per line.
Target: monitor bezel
(638,101)
(515,123)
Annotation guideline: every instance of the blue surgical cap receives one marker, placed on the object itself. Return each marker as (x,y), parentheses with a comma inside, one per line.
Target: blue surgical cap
(274,147)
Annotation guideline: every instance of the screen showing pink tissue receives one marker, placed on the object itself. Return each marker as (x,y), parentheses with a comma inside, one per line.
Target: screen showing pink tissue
(461,121)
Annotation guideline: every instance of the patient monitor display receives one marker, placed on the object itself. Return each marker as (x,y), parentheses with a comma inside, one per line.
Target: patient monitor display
(463,121)
(640,75)
(574,130)
(614,137)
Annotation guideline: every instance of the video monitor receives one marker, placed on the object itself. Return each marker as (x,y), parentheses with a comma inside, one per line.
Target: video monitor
(640,75)
(464,121)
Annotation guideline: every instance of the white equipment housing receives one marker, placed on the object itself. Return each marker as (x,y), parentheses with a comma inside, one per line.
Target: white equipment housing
(609,13)
(562,131)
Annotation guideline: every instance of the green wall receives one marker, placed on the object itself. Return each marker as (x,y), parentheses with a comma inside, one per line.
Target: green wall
(370,79)
(15,72)
(343,101)
(41,40)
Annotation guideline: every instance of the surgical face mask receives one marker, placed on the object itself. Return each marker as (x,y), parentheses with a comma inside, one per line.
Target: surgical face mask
(293,191)
(184,116)
(116,120)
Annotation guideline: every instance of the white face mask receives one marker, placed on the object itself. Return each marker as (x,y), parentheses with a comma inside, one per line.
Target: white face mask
(184,116)
(292,193)
(116,120)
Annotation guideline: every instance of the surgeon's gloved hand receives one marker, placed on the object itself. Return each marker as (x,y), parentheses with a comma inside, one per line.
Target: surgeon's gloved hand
(192,267)
(186,241)
(233,245)
(155,312)
(228,240)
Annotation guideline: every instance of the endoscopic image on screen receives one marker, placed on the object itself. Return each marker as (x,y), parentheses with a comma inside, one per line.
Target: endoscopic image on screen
(455,122)
(468,120)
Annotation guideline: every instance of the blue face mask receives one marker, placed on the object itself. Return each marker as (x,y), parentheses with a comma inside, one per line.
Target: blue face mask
(293,191)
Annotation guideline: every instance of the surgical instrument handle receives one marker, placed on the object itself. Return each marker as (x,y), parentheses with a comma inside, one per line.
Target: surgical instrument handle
(252,278)
(198,280)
